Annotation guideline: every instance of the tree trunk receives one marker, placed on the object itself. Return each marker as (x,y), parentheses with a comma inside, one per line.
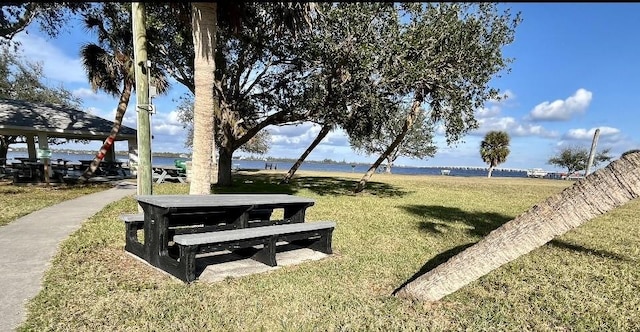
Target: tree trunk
(411,117)
(224,167)
(490,171)
(321,135)
(108,143)
(204,24)
(588,198)
(389,163)
(4,146)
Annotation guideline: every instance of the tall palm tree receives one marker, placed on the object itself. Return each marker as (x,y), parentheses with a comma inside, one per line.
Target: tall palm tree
(109,66)
(204,22)
(494,149)
(204,26)
(598,193)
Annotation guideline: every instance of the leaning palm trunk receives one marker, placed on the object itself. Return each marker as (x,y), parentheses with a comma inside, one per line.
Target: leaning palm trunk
(204,21)
(411,118)
(590,197)
(120,111)
(321,135)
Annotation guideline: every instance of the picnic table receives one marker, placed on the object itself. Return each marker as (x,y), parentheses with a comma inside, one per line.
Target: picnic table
(162,173)
(106,167)
(29,170)
(176,227)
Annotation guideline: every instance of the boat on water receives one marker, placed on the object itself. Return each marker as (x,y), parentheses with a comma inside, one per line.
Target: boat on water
(536,173)
(573,176)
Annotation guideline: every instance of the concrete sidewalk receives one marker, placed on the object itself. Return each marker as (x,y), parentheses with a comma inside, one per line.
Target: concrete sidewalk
(28,244)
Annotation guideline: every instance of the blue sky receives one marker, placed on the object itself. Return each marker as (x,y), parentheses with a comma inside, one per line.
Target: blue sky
(576,69)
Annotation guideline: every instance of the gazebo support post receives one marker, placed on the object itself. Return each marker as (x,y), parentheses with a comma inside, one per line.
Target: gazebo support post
(31,146)
(43,144)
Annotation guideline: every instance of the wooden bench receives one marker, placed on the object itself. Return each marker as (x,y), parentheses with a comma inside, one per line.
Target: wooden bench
(314,235)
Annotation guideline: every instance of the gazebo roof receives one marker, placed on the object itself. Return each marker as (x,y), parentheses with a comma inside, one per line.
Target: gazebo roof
(19,117)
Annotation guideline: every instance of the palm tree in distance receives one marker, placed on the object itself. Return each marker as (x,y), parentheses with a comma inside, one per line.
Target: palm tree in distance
(109,66)
(494,149)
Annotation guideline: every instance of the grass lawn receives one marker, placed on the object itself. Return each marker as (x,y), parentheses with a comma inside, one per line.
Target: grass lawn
(19,200)
(587,279)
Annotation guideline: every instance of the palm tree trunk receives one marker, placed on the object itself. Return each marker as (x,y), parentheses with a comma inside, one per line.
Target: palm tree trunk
(588,198)
(490,171)
(411,117)
(321,135)
(204,24)
(117,123)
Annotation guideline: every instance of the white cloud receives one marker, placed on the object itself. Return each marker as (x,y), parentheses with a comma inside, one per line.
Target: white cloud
(294,136)
(488,112)
(173,118)
(336,138)
(584,134)
(57,65)
(130,119)
(166,123)
(512,127)
(561,110)
(92,110)
(84,93)
(167,129)
(528,129)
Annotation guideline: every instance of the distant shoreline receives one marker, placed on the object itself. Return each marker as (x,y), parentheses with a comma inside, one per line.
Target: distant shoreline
(188,156)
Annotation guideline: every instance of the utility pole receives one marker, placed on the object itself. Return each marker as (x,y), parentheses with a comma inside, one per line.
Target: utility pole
(143,106)
(592,153)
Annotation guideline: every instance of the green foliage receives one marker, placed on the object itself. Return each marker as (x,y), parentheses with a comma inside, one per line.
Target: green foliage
(575,159)
(21,79)
(494,148)
(16,16)
(109,62)
(445,55)
(258,144)
(341,54)
(418,142)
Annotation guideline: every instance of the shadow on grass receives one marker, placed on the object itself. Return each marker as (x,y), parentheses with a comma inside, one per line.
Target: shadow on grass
(435,261)
(444,256)
(334,186)
(585,250)
(480,223)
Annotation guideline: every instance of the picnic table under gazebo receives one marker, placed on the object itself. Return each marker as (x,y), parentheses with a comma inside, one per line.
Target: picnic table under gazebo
(40,121)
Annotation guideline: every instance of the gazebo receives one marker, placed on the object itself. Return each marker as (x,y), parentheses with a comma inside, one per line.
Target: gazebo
(40,120)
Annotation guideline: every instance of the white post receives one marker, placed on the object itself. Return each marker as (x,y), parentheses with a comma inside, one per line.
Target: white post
(43,144)
(592,153)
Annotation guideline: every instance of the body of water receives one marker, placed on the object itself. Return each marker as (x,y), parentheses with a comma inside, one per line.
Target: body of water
(308,166)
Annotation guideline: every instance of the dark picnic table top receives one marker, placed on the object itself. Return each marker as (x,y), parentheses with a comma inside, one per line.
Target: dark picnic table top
(221,200)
